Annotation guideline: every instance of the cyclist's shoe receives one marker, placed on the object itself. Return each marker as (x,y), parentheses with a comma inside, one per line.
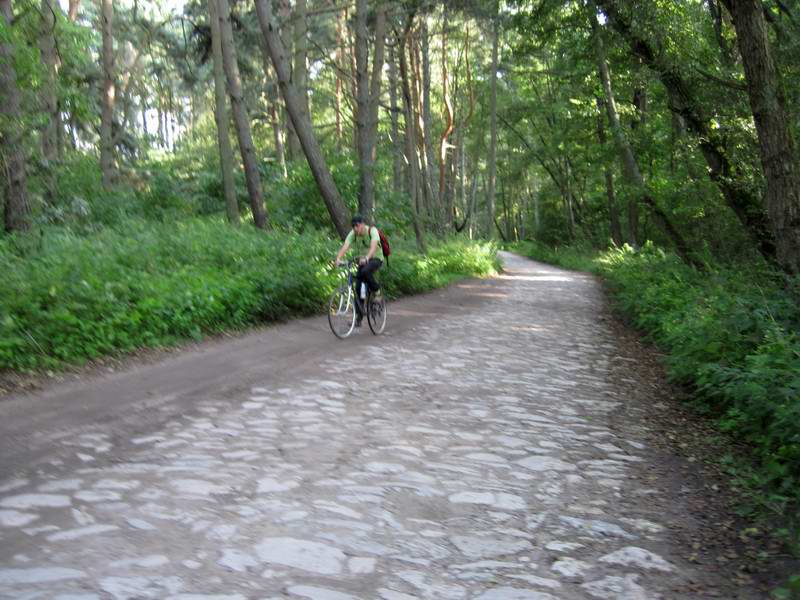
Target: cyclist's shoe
(359,318)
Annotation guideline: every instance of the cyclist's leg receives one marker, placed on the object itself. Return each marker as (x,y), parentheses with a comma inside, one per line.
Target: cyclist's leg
(369,273)
(360,278)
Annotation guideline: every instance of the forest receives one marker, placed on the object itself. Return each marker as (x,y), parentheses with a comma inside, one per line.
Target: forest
(177,168)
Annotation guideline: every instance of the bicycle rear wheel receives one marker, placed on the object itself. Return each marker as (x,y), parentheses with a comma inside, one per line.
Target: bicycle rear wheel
(376,312)
(342,312)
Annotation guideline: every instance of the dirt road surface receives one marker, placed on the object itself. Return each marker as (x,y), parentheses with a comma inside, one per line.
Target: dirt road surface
(493,445)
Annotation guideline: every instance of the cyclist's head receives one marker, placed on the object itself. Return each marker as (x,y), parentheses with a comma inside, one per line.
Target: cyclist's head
(358,222)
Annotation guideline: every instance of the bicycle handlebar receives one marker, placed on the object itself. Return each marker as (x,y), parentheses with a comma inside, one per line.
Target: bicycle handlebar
(348,264)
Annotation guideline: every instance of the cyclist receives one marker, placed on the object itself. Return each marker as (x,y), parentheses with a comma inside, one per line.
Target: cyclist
(365,238)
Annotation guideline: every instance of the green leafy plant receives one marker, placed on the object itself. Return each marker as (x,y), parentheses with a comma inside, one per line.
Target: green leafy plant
(144,284)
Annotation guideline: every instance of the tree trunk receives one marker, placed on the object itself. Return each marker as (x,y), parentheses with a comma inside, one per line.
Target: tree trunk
(630,167)
(492,127)
(17,210)
(427,117)
(160,116)
(241,120)
(397,153)
(273,101)
(339,68)
(302,122)
(299,70)
(613,209)
(143,109)
(470,205)
(462,176)
(716,13)
(778,159)
(424,197)
(733,185)
(130,61)
(368,95)
(410,135)
(221,118)
(172,124)
(107,155)
(47,47)
(361,113)
(49,98)
(277,132)
(569,203)
(292,145)
(74,6)
(448,130)
(353,80)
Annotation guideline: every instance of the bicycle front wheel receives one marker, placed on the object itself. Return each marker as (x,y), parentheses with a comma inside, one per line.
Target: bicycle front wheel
(376,313)
(342,312)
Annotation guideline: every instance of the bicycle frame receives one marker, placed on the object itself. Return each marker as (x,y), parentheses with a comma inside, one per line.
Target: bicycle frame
(352,293)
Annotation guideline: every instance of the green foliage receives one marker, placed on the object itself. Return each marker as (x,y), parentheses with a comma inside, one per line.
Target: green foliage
(142,284)
(80,200)
(295,202)
(412,273)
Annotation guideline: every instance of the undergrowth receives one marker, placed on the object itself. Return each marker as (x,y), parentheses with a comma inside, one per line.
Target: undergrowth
(67,298)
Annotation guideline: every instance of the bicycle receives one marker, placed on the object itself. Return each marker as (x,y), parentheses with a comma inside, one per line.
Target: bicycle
(342,306)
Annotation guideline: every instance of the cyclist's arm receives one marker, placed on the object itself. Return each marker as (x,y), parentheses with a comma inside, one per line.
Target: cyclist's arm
(342,251)
(345,247)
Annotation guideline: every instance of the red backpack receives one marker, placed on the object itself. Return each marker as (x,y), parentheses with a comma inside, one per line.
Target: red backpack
(384,246)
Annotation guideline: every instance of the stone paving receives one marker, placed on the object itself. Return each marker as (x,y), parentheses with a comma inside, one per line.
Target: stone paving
(471,458)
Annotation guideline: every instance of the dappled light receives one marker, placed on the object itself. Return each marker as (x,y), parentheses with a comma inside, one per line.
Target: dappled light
(547,277)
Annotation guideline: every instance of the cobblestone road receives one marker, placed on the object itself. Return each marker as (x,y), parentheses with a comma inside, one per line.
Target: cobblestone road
(469,457)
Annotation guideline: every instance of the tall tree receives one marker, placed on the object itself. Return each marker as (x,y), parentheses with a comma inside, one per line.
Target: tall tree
(735,189)
(404,45)
(613,209)
(221,118)
(431,188)
(448,128)
(49,94)
(273,108)
(241,119)
(302,123)
(630,166)
(339,70)
(294,29)
(490,185)
(394,110)
(108,162)
(368,93)
(17,210)
(778,157)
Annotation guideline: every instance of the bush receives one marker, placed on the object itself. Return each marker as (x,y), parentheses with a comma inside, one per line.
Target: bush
(145,284)
(733,336)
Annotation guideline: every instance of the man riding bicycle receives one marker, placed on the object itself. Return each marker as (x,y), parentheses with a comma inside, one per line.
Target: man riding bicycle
(366,238)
